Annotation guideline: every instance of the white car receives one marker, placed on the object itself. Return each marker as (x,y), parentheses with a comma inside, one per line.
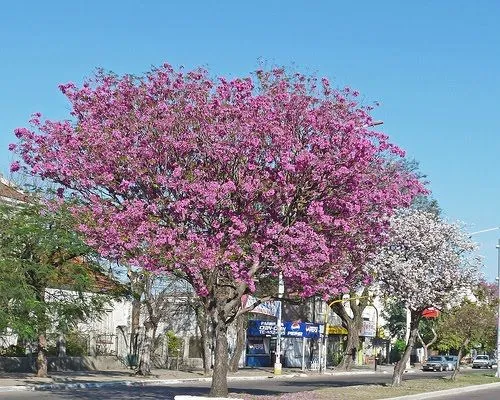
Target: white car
(482,361)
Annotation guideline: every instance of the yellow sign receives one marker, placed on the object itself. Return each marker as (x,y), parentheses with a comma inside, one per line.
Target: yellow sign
(336,330)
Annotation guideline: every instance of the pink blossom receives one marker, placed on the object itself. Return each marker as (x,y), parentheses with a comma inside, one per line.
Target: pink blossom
(247,177)
(15,166)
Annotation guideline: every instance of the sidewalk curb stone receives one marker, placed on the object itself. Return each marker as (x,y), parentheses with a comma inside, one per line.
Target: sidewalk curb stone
(447,392)
(159,382)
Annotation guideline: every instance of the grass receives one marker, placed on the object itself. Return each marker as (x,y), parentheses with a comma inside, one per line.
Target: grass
(364,392)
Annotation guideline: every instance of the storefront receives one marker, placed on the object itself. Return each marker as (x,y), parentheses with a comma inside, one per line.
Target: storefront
(300,339)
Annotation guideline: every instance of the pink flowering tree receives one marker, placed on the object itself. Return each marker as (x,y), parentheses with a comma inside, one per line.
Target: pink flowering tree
(223,182)
(426,262)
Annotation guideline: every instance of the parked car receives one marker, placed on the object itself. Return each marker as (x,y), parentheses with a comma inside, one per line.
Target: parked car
(452,362)
(482,361)
(435,363)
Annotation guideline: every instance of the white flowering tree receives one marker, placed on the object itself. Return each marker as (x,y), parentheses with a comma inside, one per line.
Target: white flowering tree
(426,262)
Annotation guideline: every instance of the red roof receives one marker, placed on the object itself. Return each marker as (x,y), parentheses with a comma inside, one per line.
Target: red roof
(430,312)
(10,193)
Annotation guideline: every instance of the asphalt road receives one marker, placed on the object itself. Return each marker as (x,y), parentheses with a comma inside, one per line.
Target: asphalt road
(256,387)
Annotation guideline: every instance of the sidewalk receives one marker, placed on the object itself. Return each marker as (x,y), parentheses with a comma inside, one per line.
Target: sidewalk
(17,381)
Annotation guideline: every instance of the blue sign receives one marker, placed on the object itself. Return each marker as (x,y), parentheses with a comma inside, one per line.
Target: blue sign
(288,329)
(301,329)
(261,328)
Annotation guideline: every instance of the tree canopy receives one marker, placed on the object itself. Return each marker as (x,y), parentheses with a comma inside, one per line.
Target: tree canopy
(224,182)
(426,261)
(207,177)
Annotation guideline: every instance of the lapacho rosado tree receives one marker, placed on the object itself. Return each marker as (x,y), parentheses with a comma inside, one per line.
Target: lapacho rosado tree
(426,262)
(223,181)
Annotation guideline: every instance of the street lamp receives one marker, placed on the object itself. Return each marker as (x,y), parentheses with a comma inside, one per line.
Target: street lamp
(498,292)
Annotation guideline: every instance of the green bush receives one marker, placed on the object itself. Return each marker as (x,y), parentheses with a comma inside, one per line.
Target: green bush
(397,350)
(174,343)
(13,351)
(76,345)
(52,350)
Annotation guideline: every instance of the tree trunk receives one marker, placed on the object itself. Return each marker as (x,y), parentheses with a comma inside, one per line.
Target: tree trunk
(136,312)
(352,345)
(357,304)
(400,367)
(426,352)
(145,358)
(426,346)
(240,343)
(204,326)
(61,346)
(219,377)
(41,360)
(457,369)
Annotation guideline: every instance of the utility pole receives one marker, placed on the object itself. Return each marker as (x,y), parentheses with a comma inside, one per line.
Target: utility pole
(498,311)
(277,362)
(498,293)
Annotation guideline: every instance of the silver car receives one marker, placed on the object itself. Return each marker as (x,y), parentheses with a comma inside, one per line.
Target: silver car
(435,363)
(452,362)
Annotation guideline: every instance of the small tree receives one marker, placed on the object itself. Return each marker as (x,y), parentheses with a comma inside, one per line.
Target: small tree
(156,297)
(468,325)
(427,335)
(394,313)
(426,262)
(45,268)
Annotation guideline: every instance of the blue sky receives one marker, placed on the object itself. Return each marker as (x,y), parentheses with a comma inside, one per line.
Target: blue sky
(433,66)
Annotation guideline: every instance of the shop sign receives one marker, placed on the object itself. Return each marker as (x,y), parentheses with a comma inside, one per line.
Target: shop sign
(336,330)
(368,329)
(289,329)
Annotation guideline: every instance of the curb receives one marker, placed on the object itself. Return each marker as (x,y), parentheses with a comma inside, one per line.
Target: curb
(160,382)
(24,388)
(440,393)
(149,382)
(186,397)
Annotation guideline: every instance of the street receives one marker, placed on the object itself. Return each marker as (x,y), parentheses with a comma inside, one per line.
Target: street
(260,387)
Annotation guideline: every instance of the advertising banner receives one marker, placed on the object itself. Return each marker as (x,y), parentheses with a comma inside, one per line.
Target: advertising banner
(268,307)
(289,329)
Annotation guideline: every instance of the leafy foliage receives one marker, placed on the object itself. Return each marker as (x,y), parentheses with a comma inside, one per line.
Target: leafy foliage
(469,325)
(77,345)
(40,251)
(174,343)
(394,314)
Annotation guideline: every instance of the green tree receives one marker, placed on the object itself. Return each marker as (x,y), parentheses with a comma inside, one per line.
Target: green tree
(472,324)
(394,314)
(47,275)
(427,334)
